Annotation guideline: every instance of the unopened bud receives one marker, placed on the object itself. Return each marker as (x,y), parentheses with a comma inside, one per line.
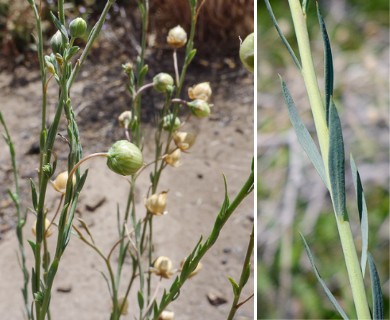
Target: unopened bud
(200,91)
(77,27)
(169,124)
(173,158)
(162,267)
(157,203)
(124,158)
(177,37)
(48,231)
(163,82)
(184,140)
(247,52)
(166,315)
(59,184)
(199,108)
(56,42)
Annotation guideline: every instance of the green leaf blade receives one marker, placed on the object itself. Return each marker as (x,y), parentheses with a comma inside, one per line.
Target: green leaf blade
(303,135)
(336,163)
(236,288)
(328,64)
(322,282)
(377,297)
(281,35)
(363,213)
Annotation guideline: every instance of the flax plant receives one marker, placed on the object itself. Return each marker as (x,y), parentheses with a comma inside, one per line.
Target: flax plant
(125,157)
(329,161)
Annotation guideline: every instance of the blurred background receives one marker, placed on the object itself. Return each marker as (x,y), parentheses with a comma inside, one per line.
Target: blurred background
(291,196)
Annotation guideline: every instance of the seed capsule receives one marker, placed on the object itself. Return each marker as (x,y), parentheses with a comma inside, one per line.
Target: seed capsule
(200,91)
(162,267)
(177,37)
(125,305)
(124,158)
(196,270)
(166,315)
(168,125)
(247,52)
(163,82)
(59,184)
(77,27)
(157,203)
(199,108)
(184,140)
(48,231)
(125,119)
(173,158)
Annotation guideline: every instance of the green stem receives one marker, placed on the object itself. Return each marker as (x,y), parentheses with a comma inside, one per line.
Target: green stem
(318,110)
(309,77)
(243,277)
(21,219)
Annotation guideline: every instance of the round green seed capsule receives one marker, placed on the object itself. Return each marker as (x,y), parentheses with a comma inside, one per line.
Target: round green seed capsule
(163,82)
(247,52)
(124,158)
(77,27)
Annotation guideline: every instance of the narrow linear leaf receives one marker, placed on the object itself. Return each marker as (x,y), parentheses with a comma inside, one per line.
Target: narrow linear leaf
(363,213)
(336,162)
(322,282)
(59,25)
(107,282)
(377,297)
(236,288)
(305,5)
(328,64)
(140,300)
(191,56)
(284,40)
(304,137)
(246,274)
(34,195)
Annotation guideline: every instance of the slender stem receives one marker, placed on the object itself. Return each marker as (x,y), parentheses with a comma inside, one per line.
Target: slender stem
(21,220)
(78,164)
(243,278)
(176,66)
(309,77)
(353,267)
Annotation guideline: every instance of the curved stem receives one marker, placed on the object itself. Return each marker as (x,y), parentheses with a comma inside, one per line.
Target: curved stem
(78,164)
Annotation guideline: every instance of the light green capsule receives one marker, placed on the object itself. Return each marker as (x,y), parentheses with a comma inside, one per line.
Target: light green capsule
(124,158)
(247,52)
(163,82)
(77,27)
(199,108)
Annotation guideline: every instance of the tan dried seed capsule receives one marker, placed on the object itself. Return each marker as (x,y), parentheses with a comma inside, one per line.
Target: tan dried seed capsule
(177,37)
(162,267)
(157,203)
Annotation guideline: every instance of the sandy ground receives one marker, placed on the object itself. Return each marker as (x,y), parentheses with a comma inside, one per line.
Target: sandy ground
(224,145)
